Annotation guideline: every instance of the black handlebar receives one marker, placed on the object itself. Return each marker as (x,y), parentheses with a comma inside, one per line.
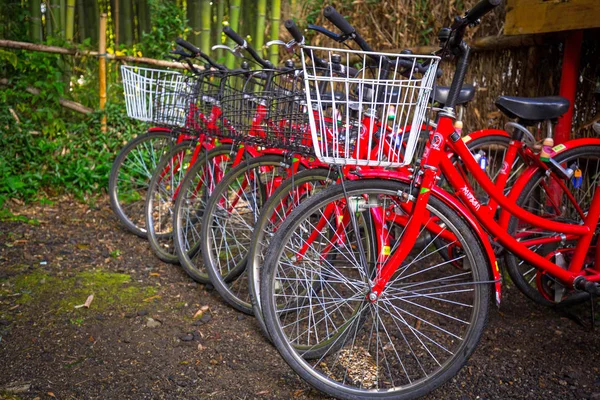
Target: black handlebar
(480,9)
(290,25)
(188,46)
(242,43)
(196,52)
(338,20)
(234,36)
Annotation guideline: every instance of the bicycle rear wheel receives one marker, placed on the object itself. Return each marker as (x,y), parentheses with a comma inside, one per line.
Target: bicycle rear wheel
(130,175)
(544,196)
(419,332)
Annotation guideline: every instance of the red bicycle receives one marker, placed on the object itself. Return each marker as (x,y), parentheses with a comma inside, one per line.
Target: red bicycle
(381,287)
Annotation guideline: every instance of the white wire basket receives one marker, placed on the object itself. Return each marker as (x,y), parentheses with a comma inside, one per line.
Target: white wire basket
(366,116)
(156,95)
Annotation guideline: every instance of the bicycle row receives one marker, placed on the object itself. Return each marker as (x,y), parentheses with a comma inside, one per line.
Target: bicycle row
(355,220)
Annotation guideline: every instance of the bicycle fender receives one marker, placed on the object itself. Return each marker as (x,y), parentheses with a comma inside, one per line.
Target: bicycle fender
(482,133)
(457,206)
(159,129)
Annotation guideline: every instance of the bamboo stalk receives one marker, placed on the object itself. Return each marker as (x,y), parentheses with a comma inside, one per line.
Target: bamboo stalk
(259,40)
(234,19)
(70,22)
(144,22)
(205,20)
(81,25)
(275,19)
(35,21)
(126,22)
(219,24)
(102,66)
(191,13)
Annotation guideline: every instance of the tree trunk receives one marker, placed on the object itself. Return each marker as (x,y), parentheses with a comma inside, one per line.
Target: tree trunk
(234,19)
(35,21)
(259,36)
(205,20)
(70,22)
(125,22)
(144,22)
(275,17)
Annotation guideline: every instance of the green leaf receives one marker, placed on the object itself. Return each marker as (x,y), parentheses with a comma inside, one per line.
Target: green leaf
(9,56)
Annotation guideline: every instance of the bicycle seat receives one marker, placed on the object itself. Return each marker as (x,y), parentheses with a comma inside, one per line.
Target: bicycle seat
(440,94)
(533,109)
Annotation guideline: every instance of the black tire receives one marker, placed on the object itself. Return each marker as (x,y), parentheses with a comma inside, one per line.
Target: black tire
(494,148)
(349,371)
(229,217)
(160,198)
(130,175)
(535,198)
(272,214)
(195,190)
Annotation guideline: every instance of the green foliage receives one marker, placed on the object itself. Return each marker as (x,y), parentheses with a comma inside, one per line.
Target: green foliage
(71,157)
(168,22)
(13,16)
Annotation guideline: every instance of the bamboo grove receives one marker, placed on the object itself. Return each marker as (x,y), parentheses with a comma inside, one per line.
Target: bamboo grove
(130,21)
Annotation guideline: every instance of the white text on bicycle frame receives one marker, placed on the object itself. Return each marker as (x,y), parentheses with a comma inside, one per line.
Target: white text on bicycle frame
(471,198)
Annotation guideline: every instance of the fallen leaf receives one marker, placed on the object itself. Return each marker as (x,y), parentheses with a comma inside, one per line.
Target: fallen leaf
(14,307)
(83,246)
(263,392)
(154,274)
(87,302)
(152,298)
(51,394)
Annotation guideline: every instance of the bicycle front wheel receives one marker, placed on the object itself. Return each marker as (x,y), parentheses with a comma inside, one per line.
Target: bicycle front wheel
(196,188)
(161,196)
(414,337)
(228,224)
(130,175)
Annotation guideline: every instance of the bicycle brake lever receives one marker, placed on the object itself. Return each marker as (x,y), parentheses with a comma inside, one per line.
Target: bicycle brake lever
(277,42)
(236,52)
(328,33)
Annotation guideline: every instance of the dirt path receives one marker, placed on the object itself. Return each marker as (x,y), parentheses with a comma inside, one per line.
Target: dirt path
(139,338)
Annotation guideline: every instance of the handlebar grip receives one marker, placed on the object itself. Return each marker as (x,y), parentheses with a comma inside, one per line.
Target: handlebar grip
(480,9)
(293,30)
(234,36)
(187,45)
(338,20)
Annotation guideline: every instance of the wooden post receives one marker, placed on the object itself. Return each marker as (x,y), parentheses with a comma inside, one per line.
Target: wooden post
(102,66)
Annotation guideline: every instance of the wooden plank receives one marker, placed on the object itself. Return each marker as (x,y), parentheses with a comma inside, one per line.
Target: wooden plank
(541,16)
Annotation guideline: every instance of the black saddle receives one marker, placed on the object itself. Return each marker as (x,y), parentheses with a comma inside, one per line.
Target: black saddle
(440,94)
(533,109)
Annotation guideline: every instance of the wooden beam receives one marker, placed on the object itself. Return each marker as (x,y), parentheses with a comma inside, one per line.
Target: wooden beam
(542,16)
(77,53)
